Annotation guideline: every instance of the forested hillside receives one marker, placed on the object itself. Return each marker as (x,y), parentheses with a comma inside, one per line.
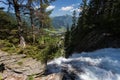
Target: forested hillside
(98,27)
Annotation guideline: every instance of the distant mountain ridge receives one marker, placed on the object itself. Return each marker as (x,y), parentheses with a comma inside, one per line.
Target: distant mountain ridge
(57,22)
(62,21)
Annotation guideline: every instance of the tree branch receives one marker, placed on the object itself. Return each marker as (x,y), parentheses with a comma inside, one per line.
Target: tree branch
(4,2)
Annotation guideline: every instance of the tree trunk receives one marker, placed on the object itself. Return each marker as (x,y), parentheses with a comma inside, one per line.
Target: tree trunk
(32,25)
(41,12)
(19,23)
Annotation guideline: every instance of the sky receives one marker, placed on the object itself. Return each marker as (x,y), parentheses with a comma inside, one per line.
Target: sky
(63,7)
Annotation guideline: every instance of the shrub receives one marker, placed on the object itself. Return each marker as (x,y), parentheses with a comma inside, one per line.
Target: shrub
(30,77)
(5,45)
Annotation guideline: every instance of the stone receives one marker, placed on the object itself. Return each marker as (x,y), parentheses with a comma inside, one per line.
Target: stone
(18,67)
(54,76)
(2,67)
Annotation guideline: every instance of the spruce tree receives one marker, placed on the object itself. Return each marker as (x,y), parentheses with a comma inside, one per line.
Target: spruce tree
(67,41)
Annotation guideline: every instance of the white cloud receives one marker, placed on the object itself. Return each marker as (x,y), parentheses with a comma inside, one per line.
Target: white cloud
(71,8)
(76,9)
(50,7)
(79,10)
(36,7)
(67,8)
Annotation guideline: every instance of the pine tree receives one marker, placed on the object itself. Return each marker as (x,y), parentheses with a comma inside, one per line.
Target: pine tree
(16,6)
(97,16)
(74,20)
(67,41)
(43,14)
(82,17)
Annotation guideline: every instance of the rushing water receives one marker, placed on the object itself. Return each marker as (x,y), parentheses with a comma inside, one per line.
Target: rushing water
(102,64)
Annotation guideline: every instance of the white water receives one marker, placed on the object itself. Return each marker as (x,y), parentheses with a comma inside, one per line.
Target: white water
(102,64)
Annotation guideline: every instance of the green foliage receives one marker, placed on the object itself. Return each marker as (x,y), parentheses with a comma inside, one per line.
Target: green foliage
(45,47)
(74,20)
(50,52)
(49,48)
(8,28)
(14,40)
(20,63)
(100,16)
(30,77)
(67,37)
(5,45)
(1,77)
(67,41)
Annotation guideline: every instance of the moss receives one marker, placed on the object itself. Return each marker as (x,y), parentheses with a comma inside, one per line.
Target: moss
(20,63)
(1,77)
(5,45)
(30,77)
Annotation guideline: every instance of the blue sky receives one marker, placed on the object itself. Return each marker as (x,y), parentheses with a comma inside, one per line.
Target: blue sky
(62,7)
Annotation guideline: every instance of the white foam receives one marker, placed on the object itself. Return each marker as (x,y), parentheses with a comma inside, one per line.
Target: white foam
(102,64)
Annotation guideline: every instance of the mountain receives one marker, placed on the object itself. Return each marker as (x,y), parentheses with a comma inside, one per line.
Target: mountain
(57,21)
(62,21)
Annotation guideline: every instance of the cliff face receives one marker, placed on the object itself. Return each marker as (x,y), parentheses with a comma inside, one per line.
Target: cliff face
(96,40)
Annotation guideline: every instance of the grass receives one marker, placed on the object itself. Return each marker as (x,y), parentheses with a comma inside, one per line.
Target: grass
(20,63)
(45,49)
(1,77)
(30,77)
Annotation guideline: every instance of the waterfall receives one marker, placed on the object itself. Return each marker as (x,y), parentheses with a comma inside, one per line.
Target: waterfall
(103,64)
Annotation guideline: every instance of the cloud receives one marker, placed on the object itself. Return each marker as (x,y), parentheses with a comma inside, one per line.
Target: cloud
(67,8)
(76,9)
(71,8)
(50,7)
(36,7)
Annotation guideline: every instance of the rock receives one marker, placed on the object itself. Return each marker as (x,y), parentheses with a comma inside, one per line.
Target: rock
(18,67)
(54,76)
(11,77)
(2,67)
(27,66)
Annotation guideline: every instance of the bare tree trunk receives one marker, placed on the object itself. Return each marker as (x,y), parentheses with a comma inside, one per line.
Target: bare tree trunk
(32,25)
(33,34)
(19,23)
(41,12)
(31,19)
